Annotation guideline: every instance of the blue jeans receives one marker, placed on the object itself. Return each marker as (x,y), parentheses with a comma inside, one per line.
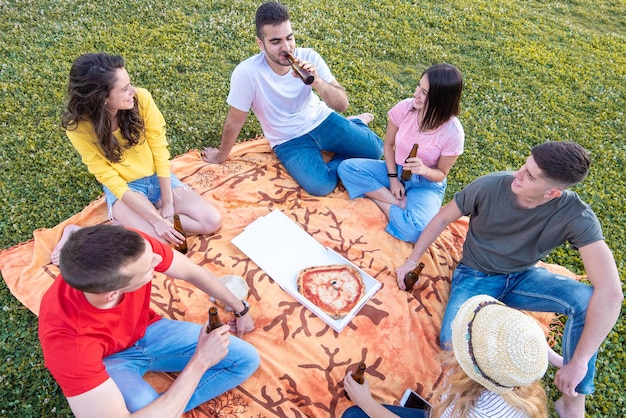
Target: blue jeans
(168,346)
(356,412)
(302,156)
(423,197)
(535,289)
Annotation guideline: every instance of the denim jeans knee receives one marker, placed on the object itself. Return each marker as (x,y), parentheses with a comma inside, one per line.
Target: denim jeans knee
(534,289)
(167,346)
(466,282)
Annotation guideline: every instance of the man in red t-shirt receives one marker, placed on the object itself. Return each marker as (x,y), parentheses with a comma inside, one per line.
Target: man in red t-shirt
(99,335)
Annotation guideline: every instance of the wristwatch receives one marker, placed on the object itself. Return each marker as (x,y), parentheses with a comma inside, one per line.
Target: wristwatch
(246,308)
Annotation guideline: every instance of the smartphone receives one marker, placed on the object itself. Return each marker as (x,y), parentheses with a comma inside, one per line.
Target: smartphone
(410,399)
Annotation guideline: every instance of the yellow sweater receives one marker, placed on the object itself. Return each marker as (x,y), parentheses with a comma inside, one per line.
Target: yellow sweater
(148,157)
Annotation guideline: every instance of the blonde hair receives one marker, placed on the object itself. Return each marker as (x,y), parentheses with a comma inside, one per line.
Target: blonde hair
(460,393)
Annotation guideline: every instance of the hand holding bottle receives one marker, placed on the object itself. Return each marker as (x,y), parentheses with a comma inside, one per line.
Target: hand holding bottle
(212,347)
(182,246)
(402,271)
(301,69)
(412,277)
(357,393)
(406,171)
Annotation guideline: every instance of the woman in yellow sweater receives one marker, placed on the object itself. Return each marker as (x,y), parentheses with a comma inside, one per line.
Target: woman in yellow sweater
(120,134)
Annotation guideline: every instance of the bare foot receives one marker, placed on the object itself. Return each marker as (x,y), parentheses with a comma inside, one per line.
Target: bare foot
(67,231)
(570,407)
(366,118)
(555,358)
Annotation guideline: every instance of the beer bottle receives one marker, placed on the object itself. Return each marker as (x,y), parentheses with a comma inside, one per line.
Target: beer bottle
(412,277)
(305,76)
(358,376)
(406,174)
(214,320)
(177,226)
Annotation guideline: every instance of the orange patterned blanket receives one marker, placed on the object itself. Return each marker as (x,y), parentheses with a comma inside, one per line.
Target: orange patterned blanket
(303,361)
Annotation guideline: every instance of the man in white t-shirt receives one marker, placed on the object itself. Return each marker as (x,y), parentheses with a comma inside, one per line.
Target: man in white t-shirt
(298,123)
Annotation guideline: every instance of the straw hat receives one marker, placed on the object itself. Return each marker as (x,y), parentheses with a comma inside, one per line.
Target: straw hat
(497,346)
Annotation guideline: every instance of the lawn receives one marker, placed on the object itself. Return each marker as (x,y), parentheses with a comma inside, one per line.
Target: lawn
(534,71)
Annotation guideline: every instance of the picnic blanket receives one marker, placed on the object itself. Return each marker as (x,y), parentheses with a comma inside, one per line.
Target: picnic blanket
(303,360)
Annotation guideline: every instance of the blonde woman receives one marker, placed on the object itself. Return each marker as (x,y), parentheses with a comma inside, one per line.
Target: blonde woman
(498,356)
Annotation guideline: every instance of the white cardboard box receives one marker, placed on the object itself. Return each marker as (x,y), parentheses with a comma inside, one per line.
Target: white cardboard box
(282,249)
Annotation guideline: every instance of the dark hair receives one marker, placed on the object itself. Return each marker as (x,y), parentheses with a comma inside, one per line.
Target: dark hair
(270,13)
(444,95)
(92,258)
(564,162)
(92,77)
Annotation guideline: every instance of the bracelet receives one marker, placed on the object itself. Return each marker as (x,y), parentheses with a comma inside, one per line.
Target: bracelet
(246,308)
(411,261)
(392,174)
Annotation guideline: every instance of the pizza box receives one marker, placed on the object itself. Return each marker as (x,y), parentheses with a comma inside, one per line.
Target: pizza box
(282,249)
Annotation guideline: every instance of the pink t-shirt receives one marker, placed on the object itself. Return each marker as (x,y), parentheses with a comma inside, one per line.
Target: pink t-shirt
(447,140)
(76,336)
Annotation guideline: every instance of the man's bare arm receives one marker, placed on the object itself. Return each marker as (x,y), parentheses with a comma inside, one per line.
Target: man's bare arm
(230,131)
(333,94)
(602,313)
(106,400)
(202,278)
(446,215)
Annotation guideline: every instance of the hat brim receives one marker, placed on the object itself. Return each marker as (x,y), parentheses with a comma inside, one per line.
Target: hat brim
(503,349)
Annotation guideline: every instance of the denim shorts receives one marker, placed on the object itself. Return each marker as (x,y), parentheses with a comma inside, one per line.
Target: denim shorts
(148,186)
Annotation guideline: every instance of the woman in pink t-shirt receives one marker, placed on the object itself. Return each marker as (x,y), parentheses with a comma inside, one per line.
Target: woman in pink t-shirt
(428,119)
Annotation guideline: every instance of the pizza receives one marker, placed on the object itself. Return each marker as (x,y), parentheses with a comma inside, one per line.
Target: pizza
(335,289)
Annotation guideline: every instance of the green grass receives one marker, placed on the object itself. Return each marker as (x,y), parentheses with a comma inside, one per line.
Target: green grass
(534,71)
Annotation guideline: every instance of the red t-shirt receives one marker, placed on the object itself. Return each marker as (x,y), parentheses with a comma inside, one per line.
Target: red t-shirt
(75,335)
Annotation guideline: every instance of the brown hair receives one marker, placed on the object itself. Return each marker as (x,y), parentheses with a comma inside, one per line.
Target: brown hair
(444,95)
(564,162)
(92,77)
(92,258)
(270,13)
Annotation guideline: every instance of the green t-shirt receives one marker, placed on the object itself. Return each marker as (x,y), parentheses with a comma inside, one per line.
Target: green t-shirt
(504,238)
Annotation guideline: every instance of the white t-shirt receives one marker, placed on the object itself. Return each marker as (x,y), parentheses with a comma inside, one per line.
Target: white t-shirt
(285,106)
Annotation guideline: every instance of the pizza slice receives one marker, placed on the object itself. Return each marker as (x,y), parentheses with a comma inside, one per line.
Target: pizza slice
(335,289)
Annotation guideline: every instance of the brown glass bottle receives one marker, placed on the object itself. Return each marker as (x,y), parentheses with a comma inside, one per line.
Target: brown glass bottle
(214,320)
(358,376)
(412,277)
(178,226)
(406,174)
(305,76)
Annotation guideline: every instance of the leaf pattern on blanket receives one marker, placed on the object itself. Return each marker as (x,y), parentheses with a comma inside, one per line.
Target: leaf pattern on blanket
(303,360)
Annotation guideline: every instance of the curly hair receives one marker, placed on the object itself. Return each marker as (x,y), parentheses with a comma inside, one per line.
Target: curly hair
(91,79)
(459,392)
